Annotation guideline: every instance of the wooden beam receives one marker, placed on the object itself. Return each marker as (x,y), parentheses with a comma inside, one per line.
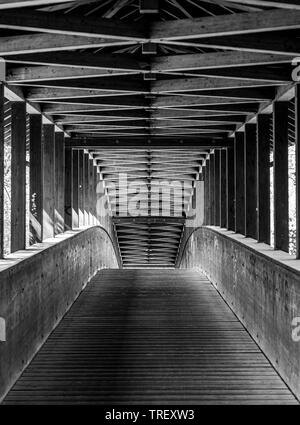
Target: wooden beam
(68,108)
(297,143)
(59,215)
(223,186)
(75,185)
(81,188)
(18,175)
(72,25)
(36,178)
(15,4)
(2,100)
(280,170)
(112,101)
(38,74)
(81,60)
(186,101)
(225,25)
(250,181)
(86,190)
(199,61)
(217,159)
(239,182)
(263,177)
(230,195)
(48,181)
(68,188)
(39,43)
(211,189)
(284,4)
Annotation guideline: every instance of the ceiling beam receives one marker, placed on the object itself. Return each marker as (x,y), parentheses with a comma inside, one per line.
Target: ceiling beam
(284,4)
(186,101)
(36,74)
(39,43)
(215,60)
(14,4)
(224,25)
(82,60)
(72,25)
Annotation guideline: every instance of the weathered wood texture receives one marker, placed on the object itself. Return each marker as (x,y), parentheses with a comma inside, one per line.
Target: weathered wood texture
(36,178)
(68,188)
(250,181)
(1,168)
(230,188)
(48,181)
(281,181)
(223,192)
(18,175)
(239,182)
(59,219)
(126,325)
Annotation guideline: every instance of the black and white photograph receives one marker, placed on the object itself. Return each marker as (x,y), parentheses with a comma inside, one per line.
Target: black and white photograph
(150,206)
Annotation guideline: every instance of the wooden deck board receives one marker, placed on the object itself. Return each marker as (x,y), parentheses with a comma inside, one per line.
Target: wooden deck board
(150,337)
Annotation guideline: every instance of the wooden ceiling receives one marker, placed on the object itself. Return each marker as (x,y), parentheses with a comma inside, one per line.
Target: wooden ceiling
(157,68)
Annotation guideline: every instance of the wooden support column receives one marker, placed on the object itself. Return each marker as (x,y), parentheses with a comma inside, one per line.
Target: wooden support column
(80,189)
(217,187)
(48,181)
(36,179)
(297,140)
(59,217)
(230,224)
(18,175)
(68,188)
(223,192)
(1,169)
(239,186)
(95,194)
(212,189)
(75,204)
(206,192)
(86,189)
(263,178)
(281,187)
(91,191)
(250,181)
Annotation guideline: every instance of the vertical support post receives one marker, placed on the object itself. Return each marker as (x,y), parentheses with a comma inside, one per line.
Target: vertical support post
(212,189)
(281,210)
(48,181)
(91,198)
(230,224)
(217,187)
(59,218)
(1,169)
(68,188)
(80,188)
(18,175)
(223,192)
(263,178)
(36,178)
(297,139)
(250,181)
(86,189)
(95,194)
(239,186)
(206,191)
(75,212)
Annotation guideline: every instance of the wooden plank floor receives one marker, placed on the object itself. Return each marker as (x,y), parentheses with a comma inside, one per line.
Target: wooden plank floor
(150,337)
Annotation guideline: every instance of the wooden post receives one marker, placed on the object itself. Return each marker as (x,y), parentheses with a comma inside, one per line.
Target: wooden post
(239,187)
(95,194)
(230,220)
(91,190)
(217,187)
(48,181)
(223,186)
(75,178)
(18,175)
(86,189)
(36,178)
(250,181)
(1,169)
(80,189)
(212,189)
(297,140)
(263,178)
(206,191)
(59,182)
(280,169)
(68,188)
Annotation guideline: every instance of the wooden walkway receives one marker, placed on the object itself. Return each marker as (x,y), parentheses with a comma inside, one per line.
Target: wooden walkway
(150,337)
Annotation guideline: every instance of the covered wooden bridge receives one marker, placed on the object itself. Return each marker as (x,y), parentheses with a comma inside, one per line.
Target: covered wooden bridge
(149,201)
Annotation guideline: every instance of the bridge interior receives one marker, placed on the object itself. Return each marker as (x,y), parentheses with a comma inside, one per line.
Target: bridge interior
(149,201)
